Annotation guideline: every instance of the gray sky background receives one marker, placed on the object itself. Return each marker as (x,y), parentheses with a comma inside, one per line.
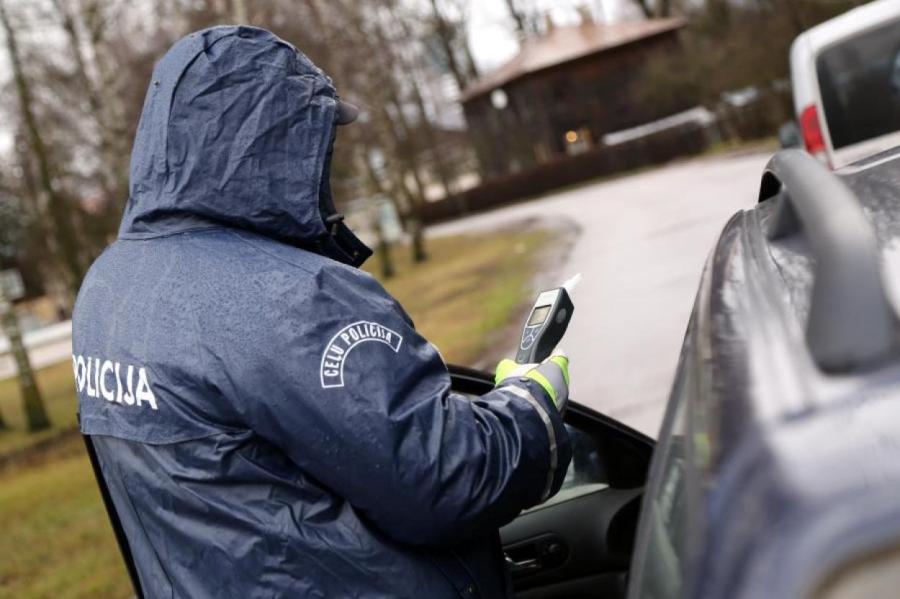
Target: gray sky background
(493,41)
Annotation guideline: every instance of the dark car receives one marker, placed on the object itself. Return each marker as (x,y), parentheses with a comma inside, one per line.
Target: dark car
(777,469)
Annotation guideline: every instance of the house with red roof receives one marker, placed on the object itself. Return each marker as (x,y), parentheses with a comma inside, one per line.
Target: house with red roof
(564,91)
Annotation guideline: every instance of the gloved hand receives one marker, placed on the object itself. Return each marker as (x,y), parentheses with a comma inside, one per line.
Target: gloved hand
(552,375)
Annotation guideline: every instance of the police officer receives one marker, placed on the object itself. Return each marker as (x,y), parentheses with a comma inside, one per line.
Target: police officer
(266,417)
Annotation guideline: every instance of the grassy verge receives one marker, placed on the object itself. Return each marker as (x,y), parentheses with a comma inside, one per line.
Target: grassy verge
(56,541)
(465,294)
(57,388)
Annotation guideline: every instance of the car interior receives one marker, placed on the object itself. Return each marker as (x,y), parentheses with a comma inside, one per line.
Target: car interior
(578,544)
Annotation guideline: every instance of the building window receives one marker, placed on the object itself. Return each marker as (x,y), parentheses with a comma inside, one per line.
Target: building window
(577,141)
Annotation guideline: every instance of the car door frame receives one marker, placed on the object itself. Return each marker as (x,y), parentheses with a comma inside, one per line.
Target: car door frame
(628,476)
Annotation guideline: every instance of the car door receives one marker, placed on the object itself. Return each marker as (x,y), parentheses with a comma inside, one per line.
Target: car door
(578,544)
(658,562)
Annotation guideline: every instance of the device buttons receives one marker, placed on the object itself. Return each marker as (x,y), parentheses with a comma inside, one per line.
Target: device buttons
(529,336)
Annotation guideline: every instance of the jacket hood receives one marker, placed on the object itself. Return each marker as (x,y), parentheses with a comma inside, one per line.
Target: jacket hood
(237,129)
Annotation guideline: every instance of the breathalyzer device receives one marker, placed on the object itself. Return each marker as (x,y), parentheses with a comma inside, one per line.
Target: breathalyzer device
(546,323)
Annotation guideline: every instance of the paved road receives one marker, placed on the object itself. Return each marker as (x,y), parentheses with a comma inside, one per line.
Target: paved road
(644,240)
(46,346)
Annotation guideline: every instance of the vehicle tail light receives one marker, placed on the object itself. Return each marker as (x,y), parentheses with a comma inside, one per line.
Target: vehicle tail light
(812,132)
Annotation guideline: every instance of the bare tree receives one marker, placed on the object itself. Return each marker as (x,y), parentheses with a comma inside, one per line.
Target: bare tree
(11,233)
(386,88)
(453,38)
(66,242)
(95,79)
(384,247)
(519,18)
(32,403)
(77,109)
(407,63)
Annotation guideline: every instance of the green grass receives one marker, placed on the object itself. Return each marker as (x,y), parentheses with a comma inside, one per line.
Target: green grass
(58,391)
(55,539)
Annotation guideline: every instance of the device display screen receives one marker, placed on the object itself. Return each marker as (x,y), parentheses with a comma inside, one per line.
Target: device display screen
(539,315)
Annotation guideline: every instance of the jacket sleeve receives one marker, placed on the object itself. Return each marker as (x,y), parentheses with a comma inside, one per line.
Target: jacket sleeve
(362,403)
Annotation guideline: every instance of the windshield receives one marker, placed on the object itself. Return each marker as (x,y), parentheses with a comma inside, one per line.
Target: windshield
(860,82)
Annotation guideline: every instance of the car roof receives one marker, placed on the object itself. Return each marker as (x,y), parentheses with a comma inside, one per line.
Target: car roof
(849,23)
(808,44)
(807,462)
(784,270)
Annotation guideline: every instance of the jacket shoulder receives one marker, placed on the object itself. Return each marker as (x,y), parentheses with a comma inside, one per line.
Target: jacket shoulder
(332,276)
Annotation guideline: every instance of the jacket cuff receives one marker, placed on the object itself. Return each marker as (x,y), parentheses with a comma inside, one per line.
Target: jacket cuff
(559,447)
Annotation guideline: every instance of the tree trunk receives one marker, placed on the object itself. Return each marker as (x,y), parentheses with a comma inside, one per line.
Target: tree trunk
(384,247)
(60,214)
(35,415)
(395,131)
(410,217)
(112,110)
(518,18)
(97,77)
(471,67)
(440,166)
(443,170)
(416,228)
(384,253)
(446,37)
(419,253)
(406,150)
(76,49)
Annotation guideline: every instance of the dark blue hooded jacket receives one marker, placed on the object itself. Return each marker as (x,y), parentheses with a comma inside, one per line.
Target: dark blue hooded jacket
(267,419)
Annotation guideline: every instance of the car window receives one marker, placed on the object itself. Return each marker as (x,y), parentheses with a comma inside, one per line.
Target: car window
(585,473)
(586,469)
(666,521)
(860,85)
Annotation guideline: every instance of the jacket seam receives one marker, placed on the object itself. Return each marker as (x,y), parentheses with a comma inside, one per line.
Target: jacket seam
(149,236)
(176,441)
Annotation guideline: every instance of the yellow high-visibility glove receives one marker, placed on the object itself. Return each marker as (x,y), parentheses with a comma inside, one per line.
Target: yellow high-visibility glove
(552,375)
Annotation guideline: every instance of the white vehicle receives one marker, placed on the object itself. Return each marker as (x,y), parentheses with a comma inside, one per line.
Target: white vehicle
(846,78)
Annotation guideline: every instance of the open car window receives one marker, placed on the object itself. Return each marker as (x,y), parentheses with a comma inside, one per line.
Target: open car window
(586,472)
(666,520)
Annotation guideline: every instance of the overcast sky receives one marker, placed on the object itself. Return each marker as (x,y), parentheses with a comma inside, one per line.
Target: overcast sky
(491,36)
